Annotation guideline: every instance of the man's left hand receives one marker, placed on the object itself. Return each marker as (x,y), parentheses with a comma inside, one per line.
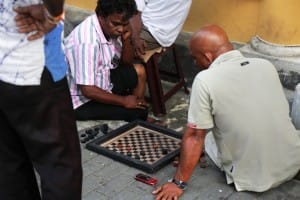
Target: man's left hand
(168,191)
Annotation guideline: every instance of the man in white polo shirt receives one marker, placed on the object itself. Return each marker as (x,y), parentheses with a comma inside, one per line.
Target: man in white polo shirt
(158,23)
(242,101)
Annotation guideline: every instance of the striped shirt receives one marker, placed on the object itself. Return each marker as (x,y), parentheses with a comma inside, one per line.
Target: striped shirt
(91,57)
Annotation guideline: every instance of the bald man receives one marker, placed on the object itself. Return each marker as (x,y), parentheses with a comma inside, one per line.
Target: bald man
(242,101)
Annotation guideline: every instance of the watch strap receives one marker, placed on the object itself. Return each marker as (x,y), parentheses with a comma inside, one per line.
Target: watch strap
(181,184)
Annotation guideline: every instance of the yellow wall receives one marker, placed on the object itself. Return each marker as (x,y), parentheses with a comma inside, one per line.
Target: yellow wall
(237,17)
(275,21)
(87,4)
(279,21)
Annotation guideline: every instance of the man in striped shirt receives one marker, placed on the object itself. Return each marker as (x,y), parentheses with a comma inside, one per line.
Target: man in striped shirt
(103,82)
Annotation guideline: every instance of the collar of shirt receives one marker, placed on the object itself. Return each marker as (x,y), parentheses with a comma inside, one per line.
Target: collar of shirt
(230,55)
(99,30)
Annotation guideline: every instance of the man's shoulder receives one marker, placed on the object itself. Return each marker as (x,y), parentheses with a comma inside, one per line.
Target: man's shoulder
(204,74)
(203,77)
(85,32)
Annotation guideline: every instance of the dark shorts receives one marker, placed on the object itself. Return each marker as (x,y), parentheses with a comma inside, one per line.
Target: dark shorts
(149,39)
(124,80)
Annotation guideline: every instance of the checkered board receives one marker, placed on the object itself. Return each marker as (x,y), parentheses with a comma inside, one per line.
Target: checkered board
(139,144)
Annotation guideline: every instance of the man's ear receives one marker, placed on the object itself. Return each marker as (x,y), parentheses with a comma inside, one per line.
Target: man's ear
(209,57)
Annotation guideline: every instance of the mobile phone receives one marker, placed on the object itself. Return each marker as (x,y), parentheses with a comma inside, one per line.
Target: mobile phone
(146,179)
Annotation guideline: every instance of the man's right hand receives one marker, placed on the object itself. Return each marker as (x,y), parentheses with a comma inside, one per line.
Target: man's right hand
(31,19)
(133,102)
(168,191)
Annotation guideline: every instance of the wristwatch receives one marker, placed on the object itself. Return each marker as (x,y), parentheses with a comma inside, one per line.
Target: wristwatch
(182,185)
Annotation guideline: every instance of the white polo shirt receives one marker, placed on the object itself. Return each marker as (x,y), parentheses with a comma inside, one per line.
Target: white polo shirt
(242,100)
(164,18)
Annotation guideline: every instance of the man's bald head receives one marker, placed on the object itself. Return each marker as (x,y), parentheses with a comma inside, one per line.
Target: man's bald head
(208,43)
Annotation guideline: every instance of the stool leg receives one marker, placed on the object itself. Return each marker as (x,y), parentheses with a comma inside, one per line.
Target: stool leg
(155,87)
(179,70)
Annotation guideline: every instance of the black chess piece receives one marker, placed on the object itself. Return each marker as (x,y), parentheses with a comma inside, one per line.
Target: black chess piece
(89,131)
(84,140)
(104,128)
(91,136)
(95,133)
(164,151)
(142,153)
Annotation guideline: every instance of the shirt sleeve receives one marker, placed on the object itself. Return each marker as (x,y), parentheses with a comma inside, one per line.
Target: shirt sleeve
(83,60)
(200,109)
(141,4)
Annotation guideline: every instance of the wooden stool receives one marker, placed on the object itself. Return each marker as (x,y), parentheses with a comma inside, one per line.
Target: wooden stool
(156,93)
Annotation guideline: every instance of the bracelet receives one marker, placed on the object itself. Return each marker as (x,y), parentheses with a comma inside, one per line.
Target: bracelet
(182,185)
(53,20)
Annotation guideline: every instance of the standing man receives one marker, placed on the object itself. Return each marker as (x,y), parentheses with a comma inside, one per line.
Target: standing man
(242,101)
(157,23)
(104,83)
(37,123)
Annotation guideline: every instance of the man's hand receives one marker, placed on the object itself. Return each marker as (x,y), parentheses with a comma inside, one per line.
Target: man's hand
(139,46)
(168,191)
(31,19)
(126,33)
(132,102)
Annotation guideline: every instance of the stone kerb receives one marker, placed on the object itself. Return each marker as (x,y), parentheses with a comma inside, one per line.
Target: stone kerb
(73,17)
(285,58)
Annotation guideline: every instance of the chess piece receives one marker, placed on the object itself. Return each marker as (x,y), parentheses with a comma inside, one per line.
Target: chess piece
(165,151)
(104,128)
(176,162)
(142,153)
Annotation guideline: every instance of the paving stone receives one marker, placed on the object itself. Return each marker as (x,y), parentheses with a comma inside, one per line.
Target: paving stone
(95,196)
(243,196)
(87,155)
(91,183)
(111,170)
(128,193)
(287,191)
(115,185)
(93,166)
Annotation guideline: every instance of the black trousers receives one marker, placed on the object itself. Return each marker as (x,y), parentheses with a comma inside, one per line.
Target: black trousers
(93,110)
(124,80)
(38,131)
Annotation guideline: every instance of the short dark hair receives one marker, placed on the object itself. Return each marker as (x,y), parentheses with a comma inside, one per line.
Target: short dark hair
(107,7)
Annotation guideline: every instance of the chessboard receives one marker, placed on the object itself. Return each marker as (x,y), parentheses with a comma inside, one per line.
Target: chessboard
(139,144)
